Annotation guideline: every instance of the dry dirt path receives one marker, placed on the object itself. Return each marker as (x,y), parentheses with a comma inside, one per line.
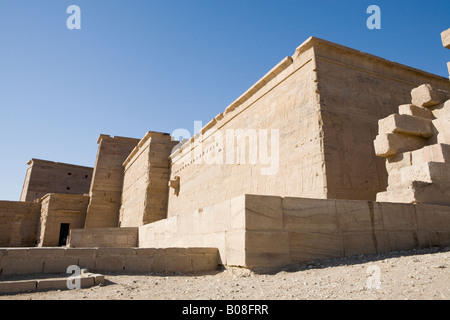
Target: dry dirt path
(415,275)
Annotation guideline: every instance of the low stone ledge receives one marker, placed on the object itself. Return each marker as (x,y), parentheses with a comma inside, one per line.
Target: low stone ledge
(87,280)
(133,260)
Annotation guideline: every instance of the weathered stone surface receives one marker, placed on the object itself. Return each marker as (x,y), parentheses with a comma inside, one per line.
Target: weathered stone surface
(104,237)
(445,36)
(388,145)
(433,153)
(19,223)
(107,182)
(145,182)
(433,217)
(45,177)
(364,242)
(263,213)
(266,248)
(406,124)
(413,110)
(430,172)
(309,246)
(426,96)
(403,240)
(359,215)
(309,215)
(398,217)
(17,286)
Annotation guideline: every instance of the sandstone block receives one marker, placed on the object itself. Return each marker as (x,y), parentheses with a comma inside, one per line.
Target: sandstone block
(406,124)
(363,242)
(138,263)
(441,123)
(403,240)
(109,263)
(49,284)
(58,264)
(222,216)
(79,252)
(263,213)
(266,248)
(203,259)
(146,252)
(308,246)
(398,217)
(387,145)
(444,238)
(445,36)
(47,252)
(433,153)
(15,265)
(426,96)
(359,215)
(398,161)
(238,212)
(235,248)
(177,263)
(17,286)
(115,252)
(433,217)
(428,239)
(430,172)
(417,192)
(309,215)
(413,110)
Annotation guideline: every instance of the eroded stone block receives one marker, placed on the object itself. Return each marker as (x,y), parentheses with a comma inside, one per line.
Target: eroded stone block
(359,215)
(413,110)
(398,217)
(309,215)
(445,36)
(407,124)
(426,96)
(307,246)
(387,145)
(263,212)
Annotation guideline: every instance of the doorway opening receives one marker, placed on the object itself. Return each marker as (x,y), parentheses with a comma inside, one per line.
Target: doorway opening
(63,234)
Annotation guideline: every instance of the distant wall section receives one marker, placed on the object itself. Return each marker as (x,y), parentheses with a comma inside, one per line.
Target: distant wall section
(107,181)
(44,177)
(146,178)
(18,223)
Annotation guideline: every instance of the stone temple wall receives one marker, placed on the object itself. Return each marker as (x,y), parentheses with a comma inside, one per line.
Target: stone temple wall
(321,107)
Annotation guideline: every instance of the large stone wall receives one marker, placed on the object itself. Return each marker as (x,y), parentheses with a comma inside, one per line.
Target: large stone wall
(19,223)
(107,181)
(280,117)
(356,90)
(256,231)
(44,177)
(323,103)
(145,183)
(131,260)
(57,209)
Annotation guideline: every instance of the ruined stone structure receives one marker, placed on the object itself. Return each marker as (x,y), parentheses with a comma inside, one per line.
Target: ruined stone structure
(289,172)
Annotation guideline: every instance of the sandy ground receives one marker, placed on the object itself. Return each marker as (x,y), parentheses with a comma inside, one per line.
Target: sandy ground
(416,274)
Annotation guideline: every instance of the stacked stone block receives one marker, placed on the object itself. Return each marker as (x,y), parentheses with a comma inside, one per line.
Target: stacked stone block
(446,42)
(416,145)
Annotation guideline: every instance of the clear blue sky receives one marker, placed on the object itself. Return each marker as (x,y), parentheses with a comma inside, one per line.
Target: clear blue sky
(160,65)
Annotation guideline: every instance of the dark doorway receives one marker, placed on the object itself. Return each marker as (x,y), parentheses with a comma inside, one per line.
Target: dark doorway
(63,234)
